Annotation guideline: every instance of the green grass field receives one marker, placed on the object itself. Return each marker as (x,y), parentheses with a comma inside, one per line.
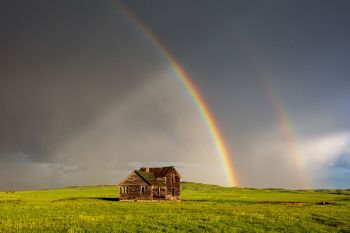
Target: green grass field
(204,208)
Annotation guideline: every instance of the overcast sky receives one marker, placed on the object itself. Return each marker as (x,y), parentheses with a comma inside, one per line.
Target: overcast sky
(85,97)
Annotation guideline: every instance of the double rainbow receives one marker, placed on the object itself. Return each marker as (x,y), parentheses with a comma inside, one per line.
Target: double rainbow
(194,93)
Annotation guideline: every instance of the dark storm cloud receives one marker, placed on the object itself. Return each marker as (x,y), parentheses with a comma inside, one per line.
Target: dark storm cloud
(62,64)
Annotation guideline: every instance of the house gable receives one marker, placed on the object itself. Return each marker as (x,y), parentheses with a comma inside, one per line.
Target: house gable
(173,170)
(133,179)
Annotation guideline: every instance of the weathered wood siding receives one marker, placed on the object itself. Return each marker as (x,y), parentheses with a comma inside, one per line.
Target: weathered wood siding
(163,192)
(170,183)
(166,192)
(134,183)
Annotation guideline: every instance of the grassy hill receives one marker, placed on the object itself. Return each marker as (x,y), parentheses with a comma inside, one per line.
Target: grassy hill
(203,208)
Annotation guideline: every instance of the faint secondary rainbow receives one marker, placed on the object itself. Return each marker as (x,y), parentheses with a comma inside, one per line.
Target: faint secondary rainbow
(284,122)
(286,127)
(194,93)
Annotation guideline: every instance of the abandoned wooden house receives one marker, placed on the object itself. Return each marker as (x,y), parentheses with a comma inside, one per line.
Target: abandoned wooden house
(156,183)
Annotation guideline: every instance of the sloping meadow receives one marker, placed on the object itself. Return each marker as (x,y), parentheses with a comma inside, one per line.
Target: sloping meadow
(203,208)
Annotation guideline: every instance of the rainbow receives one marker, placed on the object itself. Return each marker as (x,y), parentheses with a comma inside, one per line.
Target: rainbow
(284,122)
(286,128)
(194,93)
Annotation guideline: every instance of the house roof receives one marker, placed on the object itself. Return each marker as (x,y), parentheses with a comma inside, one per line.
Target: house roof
(158,171)
(148,177)
(151,177)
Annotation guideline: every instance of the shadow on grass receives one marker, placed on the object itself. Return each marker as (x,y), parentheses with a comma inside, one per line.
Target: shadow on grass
(111,199)
(107,198)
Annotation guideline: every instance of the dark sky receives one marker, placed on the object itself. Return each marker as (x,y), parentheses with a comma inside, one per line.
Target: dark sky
(85,97)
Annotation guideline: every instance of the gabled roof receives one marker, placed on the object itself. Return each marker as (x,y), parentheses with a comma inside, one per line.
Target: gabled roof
(126,178)
(159,171)
(148,177)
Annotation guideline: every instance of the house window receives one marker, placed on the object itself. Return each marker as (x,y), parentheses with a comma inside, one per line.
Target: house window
(143,189)
(125,190)
(121,190)
(173,177)
(173,192)
(158,191)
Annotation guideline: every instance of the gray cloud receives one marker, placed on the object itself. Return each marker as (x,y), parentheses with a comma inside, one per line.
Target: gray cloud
(56,79)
